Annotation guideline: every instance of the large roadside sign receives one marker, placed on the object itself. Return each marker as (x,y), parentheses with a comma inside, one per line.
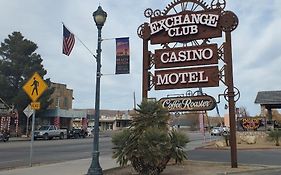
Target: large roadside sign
(35,87)
(188,57)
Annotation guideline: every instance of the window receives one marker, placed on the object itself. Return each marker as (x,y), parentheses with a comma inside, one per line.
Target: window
(65,102)
(118,124)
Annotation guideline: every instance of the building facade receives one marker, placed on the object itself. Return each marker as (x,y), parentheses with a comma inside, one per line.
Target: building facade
(62,97)
(61,114)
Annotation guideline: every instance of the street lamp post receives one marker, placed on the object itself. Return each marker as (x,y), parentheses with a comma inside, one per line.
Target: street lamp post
(99,16)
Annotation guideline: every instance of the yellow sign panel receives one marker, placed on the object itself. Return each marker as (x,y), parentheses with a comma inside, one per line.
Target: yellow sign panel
(35,87)
(35,105)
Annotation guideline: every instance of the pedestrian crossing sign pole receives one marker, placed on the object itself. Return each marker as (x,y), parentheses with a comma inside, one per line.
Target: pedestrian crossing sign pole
(34,88)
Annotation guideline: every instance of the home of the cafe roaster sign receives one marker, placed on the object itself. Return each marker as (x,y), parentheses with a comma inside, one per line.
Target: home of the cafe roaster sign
(192,103)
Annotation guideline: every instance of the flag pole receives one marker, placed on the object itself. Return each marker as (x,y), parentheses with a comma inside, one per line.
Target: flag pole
(80,41)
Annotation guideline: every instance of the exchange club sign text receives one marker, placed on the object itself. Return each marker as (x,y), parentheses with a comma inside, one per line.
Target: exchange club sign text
(196,25)
(193,103)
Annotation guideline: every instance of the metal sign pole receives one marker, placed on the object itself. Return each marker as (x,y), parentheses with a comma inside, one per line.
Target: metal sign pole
(32,138)
(34,88)
(27,125)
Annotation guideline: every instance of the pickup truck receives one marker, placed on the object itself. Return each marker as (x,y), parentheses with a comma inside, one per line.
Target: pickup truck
(77,133)
(47,132)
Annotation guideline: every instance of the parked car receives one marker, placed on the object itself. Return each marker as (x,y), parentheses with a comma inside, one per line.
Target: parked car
(90,131)
(49,132)
(4,136)
(77,133)
(225,129)
(216,131)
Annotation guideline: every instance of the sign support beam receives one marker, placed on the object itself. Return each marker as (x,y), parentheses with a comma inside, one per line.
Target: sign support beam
(231,102)
(146,61)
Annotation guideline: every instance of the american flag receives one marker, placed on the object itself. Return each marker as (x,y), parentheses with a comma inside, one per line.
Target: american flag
(68,41)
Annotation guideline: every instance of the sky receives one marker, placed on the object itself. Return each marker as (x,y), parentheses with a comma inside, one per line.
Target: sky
(255,46)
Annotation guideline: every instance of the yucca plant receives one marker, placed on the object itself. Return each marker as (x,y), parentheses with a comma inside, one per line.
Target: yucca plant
(149,144)
(274,135)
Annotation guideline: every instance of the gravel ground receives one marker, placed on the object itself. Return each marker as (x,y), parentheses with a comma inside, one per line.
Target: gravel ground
(193,168)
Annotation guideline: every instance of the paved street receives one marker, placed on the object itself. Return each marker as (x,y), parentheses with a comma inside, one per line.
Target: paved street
(14,154)
(17,153)
(264,157)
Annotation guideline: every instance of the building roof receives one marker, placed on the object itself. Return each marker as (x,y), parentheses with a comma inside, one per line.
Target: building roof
(107,112)
(64,113)
(268,98)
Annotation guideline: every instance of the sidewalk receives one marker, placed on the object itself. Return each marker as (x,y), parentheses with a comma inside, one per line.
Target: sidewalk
(80,167)
(75,167)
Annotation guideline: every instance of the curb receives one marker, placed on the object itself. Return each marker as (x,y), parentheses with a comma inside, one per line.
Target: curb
(256,167)
(20,139)
(251,171)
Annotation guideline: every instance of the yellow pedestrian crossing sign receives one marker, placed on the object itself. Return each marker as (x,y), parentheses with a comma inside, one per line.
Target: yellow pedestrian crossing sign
(35,87)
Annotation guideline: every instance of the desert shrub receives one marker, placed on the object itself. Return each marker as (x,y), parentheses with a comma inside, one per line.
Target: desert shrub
(149,144)
(274,135)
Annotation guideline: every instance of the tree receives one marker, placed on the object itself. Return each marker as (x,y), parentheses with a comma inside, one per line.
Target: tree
(18,62)
(244,112)
(276,115)
(274,135)
(149,143)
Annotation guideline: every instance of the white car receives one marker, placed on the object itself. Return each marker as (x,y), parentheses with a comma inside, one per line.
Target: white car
(216,131)
(90,131)
(226,129)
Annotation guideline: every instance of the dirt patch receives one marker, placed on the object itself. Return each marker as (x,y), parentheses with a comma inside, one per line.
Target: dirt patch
(191,168)
(260,144)
(208,168)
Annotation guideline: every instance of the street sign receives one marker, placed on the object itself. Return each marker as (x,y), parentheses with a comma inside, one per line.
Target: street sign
(35,105)
(28,111)
(35,87)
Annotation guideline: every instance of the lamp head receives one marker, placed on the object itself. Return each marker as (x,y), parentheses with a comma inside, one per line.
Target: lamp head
(99,16)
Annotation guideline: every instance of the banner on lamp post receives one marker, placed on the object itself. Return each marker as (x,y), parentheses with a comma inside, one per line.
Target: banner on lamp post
(122,56)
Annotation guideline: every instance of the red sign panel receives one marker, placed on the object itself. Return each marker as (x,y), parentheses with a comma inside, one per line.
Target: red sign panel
(186,56)
(187,78)
(185,26)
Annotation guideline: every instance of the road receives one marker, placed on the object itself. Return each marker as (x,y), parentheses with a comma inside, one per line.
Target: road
(15,154)
(264,157)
